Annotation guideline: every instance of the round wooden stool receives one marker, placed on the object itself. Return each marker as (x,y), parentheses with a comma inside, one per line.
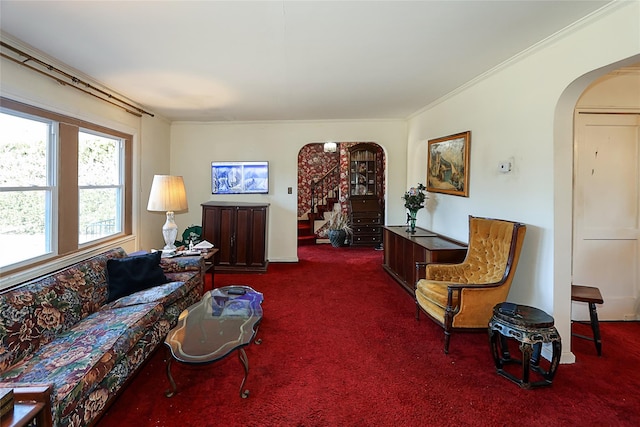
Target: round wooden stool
(531,327)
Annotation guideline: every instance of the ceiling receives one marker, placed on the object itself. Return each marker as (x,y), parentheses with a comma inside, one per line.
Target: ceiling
(285,60)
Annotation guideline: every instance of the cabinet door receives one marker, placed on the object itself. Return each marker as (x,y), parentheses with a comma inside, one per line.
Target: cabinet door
(244,233)
(362,170)
(218,229)
(250,240)
(398,257)
(259,237)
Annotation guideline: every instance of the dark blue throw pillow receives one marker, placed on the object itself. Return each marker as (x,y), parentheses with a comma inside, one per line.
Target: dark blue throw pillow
(126,276)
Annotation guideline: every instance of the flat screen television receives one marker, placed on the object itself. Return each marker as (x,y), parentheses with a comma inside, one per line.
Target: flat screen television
(239,177)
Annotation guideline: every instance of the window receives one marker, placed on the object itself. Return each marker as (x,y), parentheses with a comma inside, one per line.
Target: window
(99,186)
(26,187)
(65,185)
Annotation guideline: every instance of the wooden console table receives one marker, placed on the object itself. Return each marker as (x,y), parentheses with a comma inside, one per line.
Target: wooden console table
(31,405)
(402,250)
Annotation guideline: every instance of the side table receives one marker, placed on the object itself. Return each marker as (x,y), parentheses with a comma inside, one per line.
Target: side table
(531,327)
(208,256)
(31,404)
(210,262)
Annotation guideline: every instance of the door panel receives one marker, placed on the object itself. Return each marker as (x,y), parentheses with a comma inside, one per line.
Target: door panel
(243,236)
(606,212)
(258,240)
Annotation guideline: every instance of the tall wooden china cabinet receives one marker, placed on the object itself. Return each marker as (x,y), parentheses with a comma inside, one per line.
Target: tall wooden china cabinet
(365,193)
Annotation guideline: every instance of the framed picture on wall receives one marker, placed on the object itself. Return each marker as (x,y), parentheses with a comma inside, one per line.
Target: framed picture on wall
(239,177)
(448,164)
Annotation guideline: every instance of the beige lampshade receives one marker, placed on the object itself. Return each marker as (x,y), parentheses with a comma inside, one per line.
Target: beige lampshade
(167,194)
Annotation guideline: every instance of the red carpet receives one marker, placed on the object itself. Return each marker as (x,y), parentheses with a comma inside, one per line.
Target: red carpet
(341,347)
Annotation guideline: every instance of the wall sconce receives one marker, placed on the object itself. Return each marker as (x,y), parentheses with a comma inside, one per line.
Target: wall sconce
(330,147)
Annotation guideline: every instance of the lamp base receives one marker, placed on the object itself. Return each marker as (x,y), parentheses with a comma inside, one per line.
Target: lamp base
(169,232)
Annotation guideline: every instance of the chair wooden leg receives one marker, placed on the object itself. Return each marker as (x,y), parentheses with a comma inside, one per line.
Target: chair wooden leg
(447,338)
(595,326)
(448,325)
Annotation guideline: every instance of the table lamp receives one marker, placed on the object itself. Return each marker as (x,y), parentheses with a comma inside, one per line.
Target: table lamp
(168,195)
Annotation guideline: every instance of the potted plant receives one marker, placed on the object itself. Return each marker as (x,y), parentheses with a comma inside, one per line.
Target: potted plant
(338,227)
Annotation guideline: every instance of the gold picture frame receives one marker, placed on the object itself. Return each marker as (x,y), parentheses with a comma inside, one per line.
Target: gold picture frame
(448,164)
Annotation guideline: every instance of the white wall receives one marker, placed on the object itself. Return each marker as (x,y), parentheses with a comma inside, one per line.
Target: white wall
(195,145)
(512,113)
(155,151)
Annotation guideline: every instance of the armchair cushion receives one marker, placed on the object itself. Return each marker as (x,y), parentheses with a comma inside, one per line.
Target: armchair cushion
(435,292)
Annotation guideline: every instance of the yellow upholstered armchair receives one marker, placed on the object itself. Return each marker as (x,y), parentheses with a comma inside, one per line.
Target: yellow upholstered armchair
(462,296)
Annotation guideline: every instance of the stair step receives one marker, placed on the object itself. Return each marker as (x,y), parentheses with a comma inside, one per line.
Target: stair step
(306,240)
(303,226)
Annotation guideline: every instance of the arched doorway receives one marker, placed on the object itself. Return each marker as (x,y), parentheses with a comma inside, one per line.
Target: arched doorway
(564,193)
(606,233)
(323,182)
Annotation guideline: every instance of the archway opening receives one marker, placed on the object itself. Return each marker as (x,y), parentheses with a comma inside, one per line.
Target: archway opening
(325,183)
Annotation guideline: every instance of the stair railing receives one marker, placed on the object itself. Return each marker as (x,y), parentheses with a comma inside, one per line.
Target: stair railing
(324,188)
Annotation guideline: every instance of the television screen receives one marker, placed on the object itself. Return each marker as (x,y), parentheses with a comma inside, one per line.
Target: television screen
(239,177)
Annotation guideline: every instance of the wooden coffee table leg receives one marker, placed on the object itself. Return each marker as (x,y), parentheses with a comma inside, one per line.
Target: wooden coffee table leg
(245,362)
(170,392)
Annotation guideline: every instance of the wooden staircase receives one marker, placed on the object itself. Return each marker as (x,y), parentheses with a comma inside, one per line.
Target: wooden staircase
(324,194)
(307,227)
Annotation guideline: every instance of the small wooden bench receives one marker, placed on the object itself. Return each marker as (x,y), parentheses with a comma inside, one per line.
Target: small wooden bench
(591,296)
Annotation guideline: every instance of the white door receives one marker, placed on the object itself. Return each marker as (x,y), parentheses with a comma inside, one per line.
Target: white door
(606,216)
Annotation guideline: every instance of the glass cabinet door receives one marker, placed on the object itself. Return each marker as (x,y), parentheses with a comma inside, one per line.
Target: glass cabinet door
(362,170)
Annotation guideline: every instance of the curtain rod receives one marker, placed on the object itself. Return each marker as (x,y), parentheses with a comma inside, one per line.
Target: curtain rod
(628,113)
(133,109)
(62,82)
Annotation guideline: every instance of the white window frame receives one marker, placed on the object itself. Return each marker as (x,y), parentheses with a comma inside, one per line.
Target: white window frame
(119,225)
(50,188)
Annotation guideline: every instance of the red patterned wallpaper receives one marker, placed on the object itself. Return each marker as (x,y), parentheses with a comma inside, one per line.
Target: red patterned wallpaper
(313,163)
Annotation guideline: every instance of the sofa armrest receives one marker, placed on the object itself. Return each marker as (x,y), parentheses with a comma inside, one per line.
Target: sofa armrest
(182,264)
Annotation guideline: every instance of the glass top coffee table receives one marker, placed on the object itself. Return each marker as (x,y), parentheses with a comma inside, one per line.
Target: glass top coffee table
(225,320)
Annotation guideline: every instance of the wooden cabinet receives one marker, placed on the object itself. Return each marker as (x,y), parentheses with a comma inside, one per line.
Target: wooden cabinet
(239,231)
(365,206)
(366,220)
(402,250)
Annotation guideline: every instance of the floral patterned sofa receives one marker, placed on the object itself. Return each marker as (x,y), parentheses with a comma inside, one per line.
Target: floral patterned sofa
(59,329)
